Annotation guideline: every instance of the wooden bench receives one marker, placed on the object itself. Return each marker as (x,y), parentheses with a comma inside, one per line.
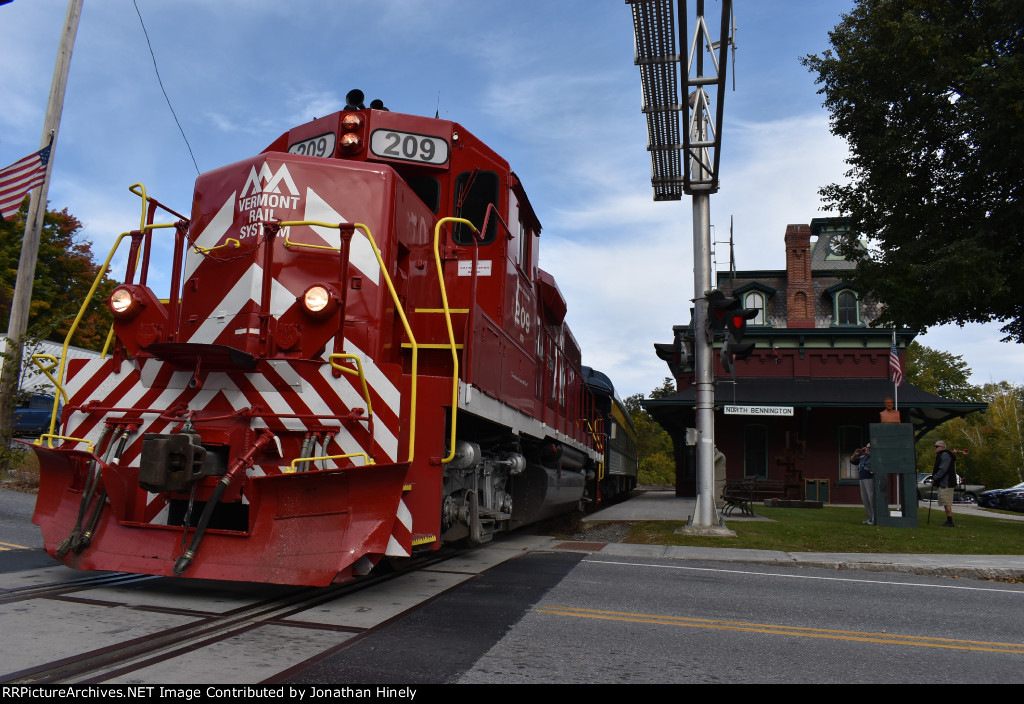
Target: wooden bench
(744,493)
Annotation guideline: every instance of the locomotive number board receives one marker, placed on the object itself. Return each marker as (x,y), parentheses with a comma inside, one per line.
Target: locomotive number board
(315,146)
(405,146)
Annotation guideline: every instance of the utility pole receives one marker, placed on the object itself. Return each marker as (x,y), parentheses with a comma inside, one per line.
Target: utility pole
(34,225)
(689,165)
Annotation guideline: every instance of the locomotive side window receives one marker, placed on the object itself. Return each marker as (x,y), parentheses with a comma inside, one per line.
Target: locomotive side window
(474,191)
(519,246)
(515,230)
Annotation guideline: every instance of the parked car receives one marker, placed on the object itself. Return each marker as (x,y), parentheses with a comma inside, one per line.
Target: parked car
(964,493)
(1011,499)
(32,416)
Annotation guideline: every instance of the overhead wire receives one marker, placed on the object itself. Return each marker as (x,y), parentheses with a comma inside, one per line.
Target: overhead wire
(160,81)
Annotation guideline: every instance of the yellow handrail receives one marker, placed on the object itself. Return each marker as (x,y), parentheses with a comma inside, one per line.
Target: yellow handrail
(229,242)
(141,193)
(74,326)
(38,359)
(394,297)
(139,190)
(448,322)
(51,437)
(599,444)
(358,371)
(312,223)
(291,468)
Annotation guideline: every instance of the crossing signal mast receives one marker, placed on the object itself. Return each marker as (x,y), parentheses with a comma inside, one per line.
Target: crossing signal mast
(685,159)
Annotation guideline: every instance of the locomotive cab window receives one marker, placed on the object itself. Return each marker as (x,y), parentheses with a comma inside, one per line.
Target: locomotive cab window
(520,235)
(428,189)
(474,191)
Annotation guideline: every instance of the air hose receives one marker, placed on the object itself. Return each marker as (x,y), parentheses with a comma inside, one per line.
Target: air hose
(246,460)
(72,541)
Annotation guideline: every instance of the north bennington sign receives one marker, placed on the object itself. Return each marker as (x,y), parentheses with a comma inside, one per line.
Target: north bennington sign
(758,410)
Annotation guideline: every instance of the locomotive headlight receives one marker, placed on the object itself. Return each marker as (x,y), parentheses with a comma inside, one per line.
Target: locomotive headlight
(316,299)
(120,300)
(124,303)
(320,300)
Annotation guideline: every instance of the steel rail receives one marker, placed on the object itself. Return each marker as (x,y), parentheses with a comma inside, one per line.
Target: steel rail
(113,661)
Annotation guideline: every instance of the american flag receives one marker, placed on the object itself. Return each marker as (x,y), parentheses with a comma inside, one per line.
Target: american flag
(895,369)
(21,177)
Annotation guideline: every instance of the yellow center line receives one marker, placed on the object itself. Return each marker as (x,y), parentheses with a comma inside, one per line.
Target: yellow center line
(859,636)
(11,546)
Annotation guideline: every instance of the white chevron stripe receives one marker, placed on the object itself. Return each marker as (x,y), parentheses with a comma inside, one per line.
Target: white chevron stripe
(275,401)
(211,235)
(404,515)
(383,435)
(395,549)
(361,253)
(86,374)
(246,289)
(375,378)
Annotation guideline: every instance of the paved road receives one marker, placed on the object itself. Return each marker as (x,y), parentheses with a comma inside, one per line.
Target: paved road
(16,527)
(640,620)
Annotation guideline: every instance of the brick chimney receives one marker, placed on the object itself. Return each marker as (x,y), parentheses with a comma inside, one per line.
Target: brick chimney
(799,286)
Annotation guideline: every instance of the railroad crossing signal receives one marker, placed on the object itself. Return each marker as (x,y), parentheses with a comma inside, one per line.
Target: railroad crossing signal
(735,319)
(678,355)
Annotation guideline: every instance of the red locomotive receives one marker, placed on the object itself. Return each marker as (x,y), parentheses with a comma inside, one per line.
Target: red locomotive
(360,358)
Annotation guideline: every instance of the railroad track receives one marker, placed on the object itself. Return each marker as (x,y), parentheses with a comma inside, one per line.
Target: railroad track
(52,589)
(117,660)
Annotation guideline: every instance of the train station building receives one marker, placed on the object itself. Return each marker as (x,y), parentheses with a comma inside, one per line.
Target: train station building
(801,403)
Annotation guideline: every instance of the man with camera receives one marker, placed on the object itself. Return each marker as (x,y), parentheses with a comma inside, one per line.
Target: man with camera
(862,460)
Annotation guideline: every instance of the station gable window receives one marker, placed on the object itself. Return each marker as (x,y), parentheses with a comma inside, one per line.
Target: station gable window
(845,306)
(755,296)
(755,301)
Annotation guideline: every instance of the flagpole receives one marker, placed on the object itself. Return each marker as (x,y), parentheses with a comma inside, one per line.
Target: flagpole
(21,303)
(895,384)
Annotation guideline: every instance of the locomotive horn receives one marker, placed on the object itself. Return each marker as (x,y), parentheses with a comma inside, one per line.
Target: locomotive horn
(354,100)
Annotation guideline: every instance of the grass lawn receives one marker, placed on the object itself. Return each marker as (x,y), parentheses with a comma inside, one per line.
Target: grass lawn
(839,529)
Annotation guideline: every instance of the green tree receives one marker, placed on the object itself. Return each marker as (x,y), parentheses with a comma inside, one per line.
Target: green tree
(929,95)
(940,373)
(64,273)
(654,445)
(994,440)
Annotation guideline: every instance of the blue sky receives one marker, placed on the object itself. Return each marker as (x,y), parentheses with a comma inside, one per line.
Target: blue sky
(550,84)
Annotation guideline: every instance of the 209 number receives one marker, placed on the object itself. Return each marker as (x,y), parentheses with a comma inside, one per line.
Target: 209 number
(315,146)
(389,144)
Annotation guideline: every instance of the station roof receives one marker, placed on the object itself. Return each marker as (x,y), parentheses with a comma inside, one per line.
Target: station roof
(924,410)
